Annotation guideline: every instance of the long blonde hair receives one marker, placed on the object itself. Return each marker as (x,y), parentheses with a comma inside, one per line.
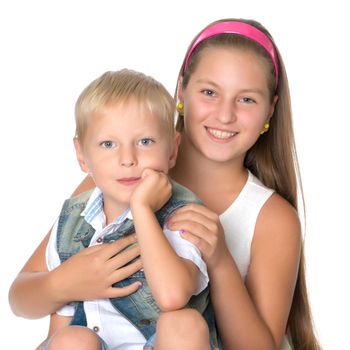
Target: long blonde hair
(273,159)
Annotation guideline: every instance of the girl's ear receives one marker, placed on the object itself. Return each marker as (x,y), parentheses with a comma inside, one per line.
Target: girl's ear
(179,91)
(173,154)
(273,105)
(80,155)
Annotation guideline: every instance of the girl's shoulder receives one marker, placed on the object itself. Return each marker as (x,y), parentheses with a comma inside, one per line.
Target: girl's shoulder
(276,213)
(277,222)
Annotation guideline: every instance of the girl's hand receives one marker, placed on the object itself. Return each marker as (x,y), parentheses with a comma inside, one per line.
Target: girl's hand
(153,191)
(201,226)
(90,273)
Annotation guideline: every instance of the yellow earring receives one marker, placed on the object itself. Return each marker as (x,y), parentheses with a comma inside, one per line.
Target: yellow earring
(266,127)
(180,108)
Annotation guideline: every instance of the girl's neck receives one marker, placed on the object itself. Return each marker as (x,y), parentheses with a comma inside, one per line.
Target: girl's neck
(217,183)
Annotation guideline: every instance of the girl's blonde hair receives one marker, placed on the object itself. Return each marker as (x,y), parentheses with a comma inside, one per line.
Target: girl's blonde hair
(272,159)
(119,87)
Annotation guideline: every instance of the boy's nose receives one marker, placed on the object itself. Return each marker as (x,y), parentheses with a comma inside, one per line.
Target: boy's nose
(128,158)
(128,163)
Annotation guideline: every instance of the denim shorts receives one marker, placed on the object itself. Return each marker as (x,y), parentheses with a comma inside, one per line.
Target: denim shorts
(104,346)
(151,341)
(148,346)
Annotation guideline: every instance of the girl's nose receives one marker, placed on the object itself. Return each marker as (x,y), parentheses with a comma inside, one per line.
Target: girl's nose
(226,113)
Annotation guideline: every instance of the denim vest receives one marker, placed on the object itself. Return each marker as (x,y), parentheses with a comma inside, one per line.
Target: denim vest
(140,308)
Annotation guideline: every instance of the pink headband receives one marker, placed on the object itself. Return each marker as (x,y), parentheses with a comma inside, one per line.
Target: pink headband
(239,28)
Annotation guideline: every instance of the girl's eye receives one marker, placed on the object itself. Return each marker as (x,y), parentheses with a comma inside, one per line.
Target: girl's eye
(145,142)
(246,100)
(208,92)
(107,144)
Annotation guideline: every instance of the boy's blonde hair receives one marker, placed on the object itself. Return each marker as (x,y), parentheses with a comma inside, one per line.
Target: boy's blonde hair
(115,87)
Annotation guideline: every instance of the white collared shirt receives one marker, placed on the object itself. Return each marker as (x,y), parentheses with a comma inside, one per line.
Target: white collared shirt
(101,316)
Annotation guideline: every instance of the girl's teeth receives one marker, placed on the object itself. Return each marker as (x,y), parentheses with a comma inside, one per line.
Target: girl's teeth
(221,134)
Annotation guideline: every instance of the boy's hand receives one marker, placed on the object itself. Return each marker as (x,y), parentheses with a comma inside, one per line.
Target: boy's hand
(152,192)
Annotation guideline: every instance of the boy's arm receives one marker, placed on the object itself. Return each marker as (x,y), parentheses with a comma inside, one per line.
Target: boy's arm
(172,279)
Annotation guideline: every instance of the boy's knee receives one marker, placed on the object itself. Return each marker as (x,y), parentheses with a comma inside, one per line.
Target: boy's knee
(182,329)
(74,337)
(182,322)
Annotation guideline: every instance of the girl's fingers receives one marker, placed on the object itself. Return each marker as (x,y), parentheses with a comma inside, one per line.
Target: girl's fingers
(108,250)
(200,226)
(194,222)
(202,236)
(189,236)
(126,271)
(193,208)
(122,292)
(195,213)
(124,257)
(203,245)
(90,250)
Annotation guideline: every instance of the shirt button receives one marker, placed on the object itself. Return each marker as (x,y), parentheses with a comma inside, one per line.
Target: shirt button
(99,240)
(95,329)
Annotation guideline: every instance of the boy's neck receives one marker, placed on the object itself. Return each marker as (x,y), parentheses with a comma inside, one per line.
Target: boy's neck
(112,211)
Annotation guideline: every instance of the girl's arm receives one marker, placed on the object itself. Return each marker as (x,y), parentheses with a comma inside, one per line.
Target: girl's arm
(172,279)
(85,185)
(36,293)
(254,314)
(87,275)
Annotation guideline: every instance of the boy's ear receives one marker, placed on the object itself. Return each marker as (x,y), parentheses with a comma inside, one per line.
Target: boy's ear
(80,156)
(173,154)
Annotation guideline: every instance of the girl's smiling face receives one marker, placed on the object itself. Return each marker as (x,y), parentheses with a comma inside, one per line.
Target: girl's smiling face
(226,103)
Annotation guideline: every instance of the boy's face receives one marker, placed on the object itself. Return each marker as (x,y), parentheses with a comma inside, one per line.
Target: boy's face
(121,141)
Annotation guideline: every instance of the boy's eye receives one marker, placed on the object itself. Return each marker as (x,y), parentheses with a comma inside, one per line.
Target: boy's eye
(107,144)
(145,142)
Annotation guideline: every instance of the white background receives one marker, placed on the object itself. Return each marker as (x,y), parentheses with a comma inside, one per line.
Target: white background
(50,50)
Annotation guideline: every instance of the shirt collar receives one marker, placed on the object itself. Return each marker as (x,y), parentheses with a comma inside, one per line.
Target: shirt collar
(94,209)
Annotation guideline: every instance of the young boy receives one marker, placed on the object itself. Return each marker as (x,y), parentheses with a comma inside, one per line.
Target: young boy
(125,140)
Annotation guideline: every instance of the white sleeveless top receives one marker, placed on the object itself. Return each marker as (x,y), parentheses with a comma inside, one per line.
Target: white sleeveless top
(239,220)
